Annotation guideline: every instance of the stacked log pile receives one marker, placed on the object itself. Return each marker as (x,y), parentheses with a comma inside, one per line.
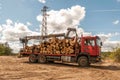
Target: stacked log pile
(54,46)
(28,49)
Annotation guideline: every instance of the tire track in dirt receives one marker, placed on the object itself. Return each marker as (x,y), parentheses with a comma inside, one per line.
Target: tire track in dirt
(13,68)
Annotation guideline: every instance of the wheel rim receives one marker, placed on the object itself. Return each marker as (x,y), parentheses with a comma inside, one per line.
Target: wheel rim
(83,62)
(42,59)
(32,58)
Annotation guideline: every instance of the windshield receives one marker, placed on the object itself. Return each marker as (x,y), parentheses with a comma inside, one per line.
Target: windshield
(99,42)
(90,42)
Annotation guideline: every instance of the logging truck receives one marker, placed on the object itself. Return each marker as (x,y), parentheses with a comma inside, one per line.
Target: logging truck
(83,50)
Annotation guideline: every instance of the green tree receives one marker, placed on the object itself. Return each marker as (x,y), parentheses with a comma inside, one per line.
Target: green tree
(2,51)
(8,50)
(5,50)
(117,55)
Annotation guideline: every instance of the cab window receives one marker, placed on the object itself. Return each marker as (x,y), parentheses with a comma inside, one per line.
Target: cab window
(89,42)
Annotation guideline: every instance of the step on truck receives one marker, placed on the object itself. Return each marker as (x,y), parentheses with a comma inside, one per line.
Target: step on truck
(68,47)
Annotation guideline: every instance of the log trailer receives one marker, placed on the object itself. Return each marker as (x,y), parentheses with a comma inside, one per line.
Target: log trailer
(83,50)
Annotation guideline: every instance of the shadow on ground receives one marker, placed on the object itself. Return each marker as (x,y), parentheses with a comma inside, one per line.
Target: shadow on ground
(73,65)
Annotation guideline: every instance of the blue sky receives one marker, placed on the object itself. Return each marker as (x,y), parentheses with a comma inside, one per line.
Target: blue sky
(102,16)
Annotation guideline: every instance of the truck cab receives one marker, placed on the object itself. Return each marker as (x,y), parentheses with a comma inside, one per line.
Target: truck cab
(90,49)
(91,45)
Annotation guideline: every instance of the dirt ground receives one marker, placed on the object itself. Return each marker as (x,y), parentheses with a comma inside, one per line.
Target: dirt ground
(13,68)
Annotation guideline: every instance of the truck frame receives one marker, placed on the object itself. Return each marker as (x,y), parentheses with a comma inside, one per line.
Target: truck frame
(87,52)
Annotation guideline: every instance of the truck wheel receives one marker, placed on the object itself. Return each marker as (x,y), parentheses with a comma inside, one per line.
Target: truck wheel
(33,58)
(42,59)
(83,61)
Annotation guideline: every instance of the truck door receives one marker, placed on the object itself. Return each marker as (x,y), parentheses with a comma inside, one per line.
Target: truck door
(90,46)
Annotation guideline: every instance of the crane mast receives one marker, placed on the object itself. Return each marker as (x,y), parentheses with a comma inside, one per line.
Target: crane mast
(44,21)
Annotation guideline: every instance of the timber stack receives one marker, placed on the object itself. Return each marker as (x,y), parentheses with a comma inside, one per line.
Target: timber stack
(54,46)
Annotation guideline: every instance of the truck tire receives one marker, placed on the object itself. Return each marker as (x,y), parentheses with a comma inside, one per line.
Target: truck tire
(42,59)
(83,61)
(33,58)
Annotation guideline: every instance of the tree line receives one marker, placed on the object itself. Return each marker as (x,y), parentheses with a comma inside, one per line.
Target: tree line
(113,55)
(5,49)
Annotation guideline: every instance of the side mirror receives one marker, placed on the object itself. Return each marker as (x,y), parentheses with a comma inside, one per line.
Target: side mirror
(101,43)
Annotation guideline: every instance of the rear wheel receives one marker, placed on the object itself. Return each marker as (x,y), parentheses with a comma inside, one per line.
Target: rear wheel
(42,59)
(83,61)
(33,58)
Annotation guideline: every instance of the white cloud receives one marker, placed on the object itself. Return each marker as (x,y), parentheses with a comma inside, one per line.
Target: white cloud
(109,45)
(0,28)
(28,24)
(12,31)
(9,22)
(59,21)
(42,1)
(15,31)
(105,37)
(116,22)
(15,46)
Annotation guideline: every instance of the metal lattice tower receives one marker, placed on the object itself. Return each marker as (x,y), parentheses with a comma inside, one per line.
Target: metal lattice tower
(44,21)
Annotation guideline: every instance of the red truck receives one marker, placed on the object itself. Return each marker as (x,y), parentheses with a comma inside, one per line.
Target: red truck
(87,51)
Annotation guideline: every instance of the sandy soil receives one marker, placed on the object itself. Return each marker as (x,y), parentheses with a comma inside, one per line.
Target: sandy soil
(13,68)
